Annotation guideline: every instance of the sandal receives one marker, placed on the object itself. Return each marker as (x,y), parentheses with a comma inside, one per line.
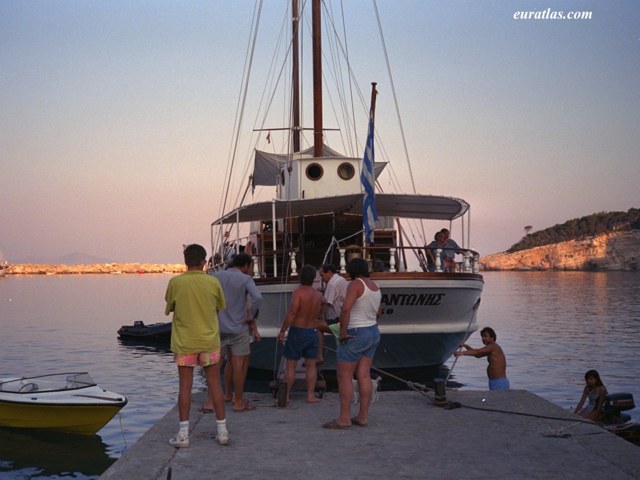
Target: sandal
(333,425)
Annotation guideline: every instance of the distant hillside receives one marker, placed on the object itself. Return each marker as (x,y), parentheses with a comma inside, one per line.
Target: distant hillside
(580,228)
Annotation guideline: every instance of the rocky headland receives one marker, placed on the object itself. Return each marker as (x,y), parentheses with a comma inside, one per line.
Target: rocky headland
(612,251)
(98,268)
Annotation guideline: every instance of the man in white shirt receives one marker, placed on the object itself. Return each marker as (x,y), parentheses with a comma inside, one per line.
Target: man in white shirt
(334,292)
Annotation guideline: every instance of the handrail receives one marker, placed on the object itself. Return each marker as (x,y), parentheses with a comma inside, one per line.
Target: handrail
(380,259)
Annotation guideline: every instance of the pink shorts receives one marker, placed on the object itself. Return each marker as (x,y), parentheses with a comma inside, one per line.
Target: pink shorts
(203,359)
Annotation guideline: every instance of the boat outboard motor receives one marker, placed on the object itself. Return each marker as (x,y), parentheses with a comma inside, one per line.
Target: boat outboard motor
(614,405)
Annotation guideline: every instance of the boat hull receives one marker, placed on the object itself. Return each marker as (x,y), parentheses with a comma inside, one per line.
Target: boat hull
(78,419)
(67,402)
(424,319)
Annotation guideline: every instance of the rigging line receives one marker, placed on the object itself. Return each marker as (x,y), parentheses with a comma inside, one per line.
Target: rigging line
(395,102)
(340,81)
(410,223)
(276,79)
(347,57)
(466,335)
(393,90)
(342,48)
(240,108)
(363,102)
(330,60)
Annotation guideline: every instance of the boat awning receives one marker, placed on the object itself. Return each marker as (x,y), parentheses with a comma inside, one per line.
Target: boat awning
(428,207)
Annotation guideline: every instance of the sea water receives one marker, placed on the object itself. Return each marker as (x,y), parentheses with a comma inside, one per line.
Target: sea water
(553,327)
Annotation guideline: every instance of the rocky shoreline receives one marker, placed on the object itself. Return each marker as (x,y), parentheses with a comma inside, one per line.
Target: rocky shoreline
(614,251)
(100,268)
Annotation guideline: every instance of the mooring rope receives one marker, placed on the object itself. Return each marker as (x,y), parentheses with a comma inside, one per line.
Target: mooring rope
(448,405)
(417,387)
(473,316)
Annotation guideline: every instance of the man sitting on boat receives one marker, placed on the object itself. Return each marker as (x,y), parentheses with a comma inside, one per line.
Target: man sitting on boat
(438,243)
(449,252)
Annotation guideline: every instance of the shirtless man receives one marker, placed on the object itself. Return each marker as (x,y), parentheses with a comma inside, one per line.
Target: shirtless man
(497,368)
(302,340)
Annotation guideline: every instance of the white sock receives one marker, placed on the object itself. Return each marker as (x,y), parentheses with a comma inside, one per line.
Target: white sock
(222,425)
(183,431)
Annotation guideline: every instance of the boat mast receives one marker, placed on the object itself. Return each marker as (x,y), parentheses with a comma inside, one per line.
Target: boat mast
(317,78)
(295,80)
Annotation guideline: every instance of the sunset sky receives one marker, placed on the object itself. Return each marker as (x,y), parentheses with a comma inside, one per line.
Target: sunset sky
(116,116)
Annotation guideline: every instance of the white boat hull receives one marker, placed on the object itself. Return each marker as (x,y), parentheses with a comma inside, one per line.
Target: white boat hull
(424,318)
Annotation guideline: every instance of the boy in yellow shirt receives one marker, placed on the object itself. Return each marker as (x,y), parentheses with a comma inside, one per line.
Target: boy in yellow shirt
(195,298)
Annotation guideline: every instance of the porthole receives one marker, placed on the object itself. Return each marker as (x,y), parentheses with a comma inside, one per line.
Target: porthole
(346,171)
(314,171)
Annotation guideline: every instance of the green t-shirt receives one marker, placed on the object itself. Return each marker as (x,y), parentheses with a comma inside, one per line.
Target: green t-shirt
(194,298)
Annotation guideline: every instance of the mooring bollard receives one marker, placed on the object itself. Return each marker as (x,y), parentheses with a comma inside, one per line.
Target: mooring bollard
(440,398)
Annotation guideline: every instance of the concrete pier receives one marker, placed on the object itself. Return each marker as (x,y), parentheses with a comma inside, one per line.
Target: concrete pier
(504,434)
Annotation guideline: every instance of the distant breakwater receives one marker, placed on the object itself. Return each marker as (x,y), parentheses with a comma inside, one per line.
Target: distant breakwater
(98,268)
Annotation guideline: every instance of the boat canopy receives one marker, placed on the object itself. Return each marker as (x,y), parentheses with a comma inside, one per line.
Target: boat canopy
(267,166)
(428,207)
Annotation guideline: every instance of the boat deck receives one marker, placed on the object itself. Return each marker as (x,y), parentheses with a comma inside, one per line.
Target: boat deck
(407,437)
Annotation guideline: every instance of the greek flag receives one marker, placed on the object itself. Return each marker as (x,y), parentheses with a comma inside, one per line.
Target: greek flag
(369,214)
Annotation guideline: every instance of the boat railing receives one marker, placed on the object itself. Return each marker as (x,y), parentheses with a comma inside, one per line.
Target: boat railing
(269,263)
(392,258)
(284,263)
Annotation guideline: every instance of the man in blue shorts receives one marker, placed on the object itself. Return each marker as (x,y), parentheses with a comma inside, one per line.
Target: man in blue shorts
(302,340)
(497,368)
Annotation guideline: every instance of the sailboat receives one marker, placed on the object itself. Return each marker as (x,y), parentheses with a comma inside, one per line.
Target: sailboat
(316,215)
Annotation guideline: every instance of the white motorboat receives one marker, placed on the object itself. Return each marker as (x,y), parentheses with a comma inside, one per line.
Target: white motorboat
(69,402)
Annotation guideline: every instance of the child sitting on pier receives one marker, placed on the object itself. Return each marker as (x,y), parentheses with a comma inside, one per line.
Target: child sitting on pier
(596,392)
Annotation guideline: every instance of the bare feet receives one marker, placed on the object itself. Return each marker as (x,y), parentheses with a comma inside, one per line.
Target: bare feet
(355,421)
(244,407)
(312,400)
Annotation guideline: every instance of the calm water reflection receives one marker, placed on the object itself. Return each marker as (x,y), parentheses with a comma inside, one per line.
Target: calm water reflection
(552,326)
(67,323)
